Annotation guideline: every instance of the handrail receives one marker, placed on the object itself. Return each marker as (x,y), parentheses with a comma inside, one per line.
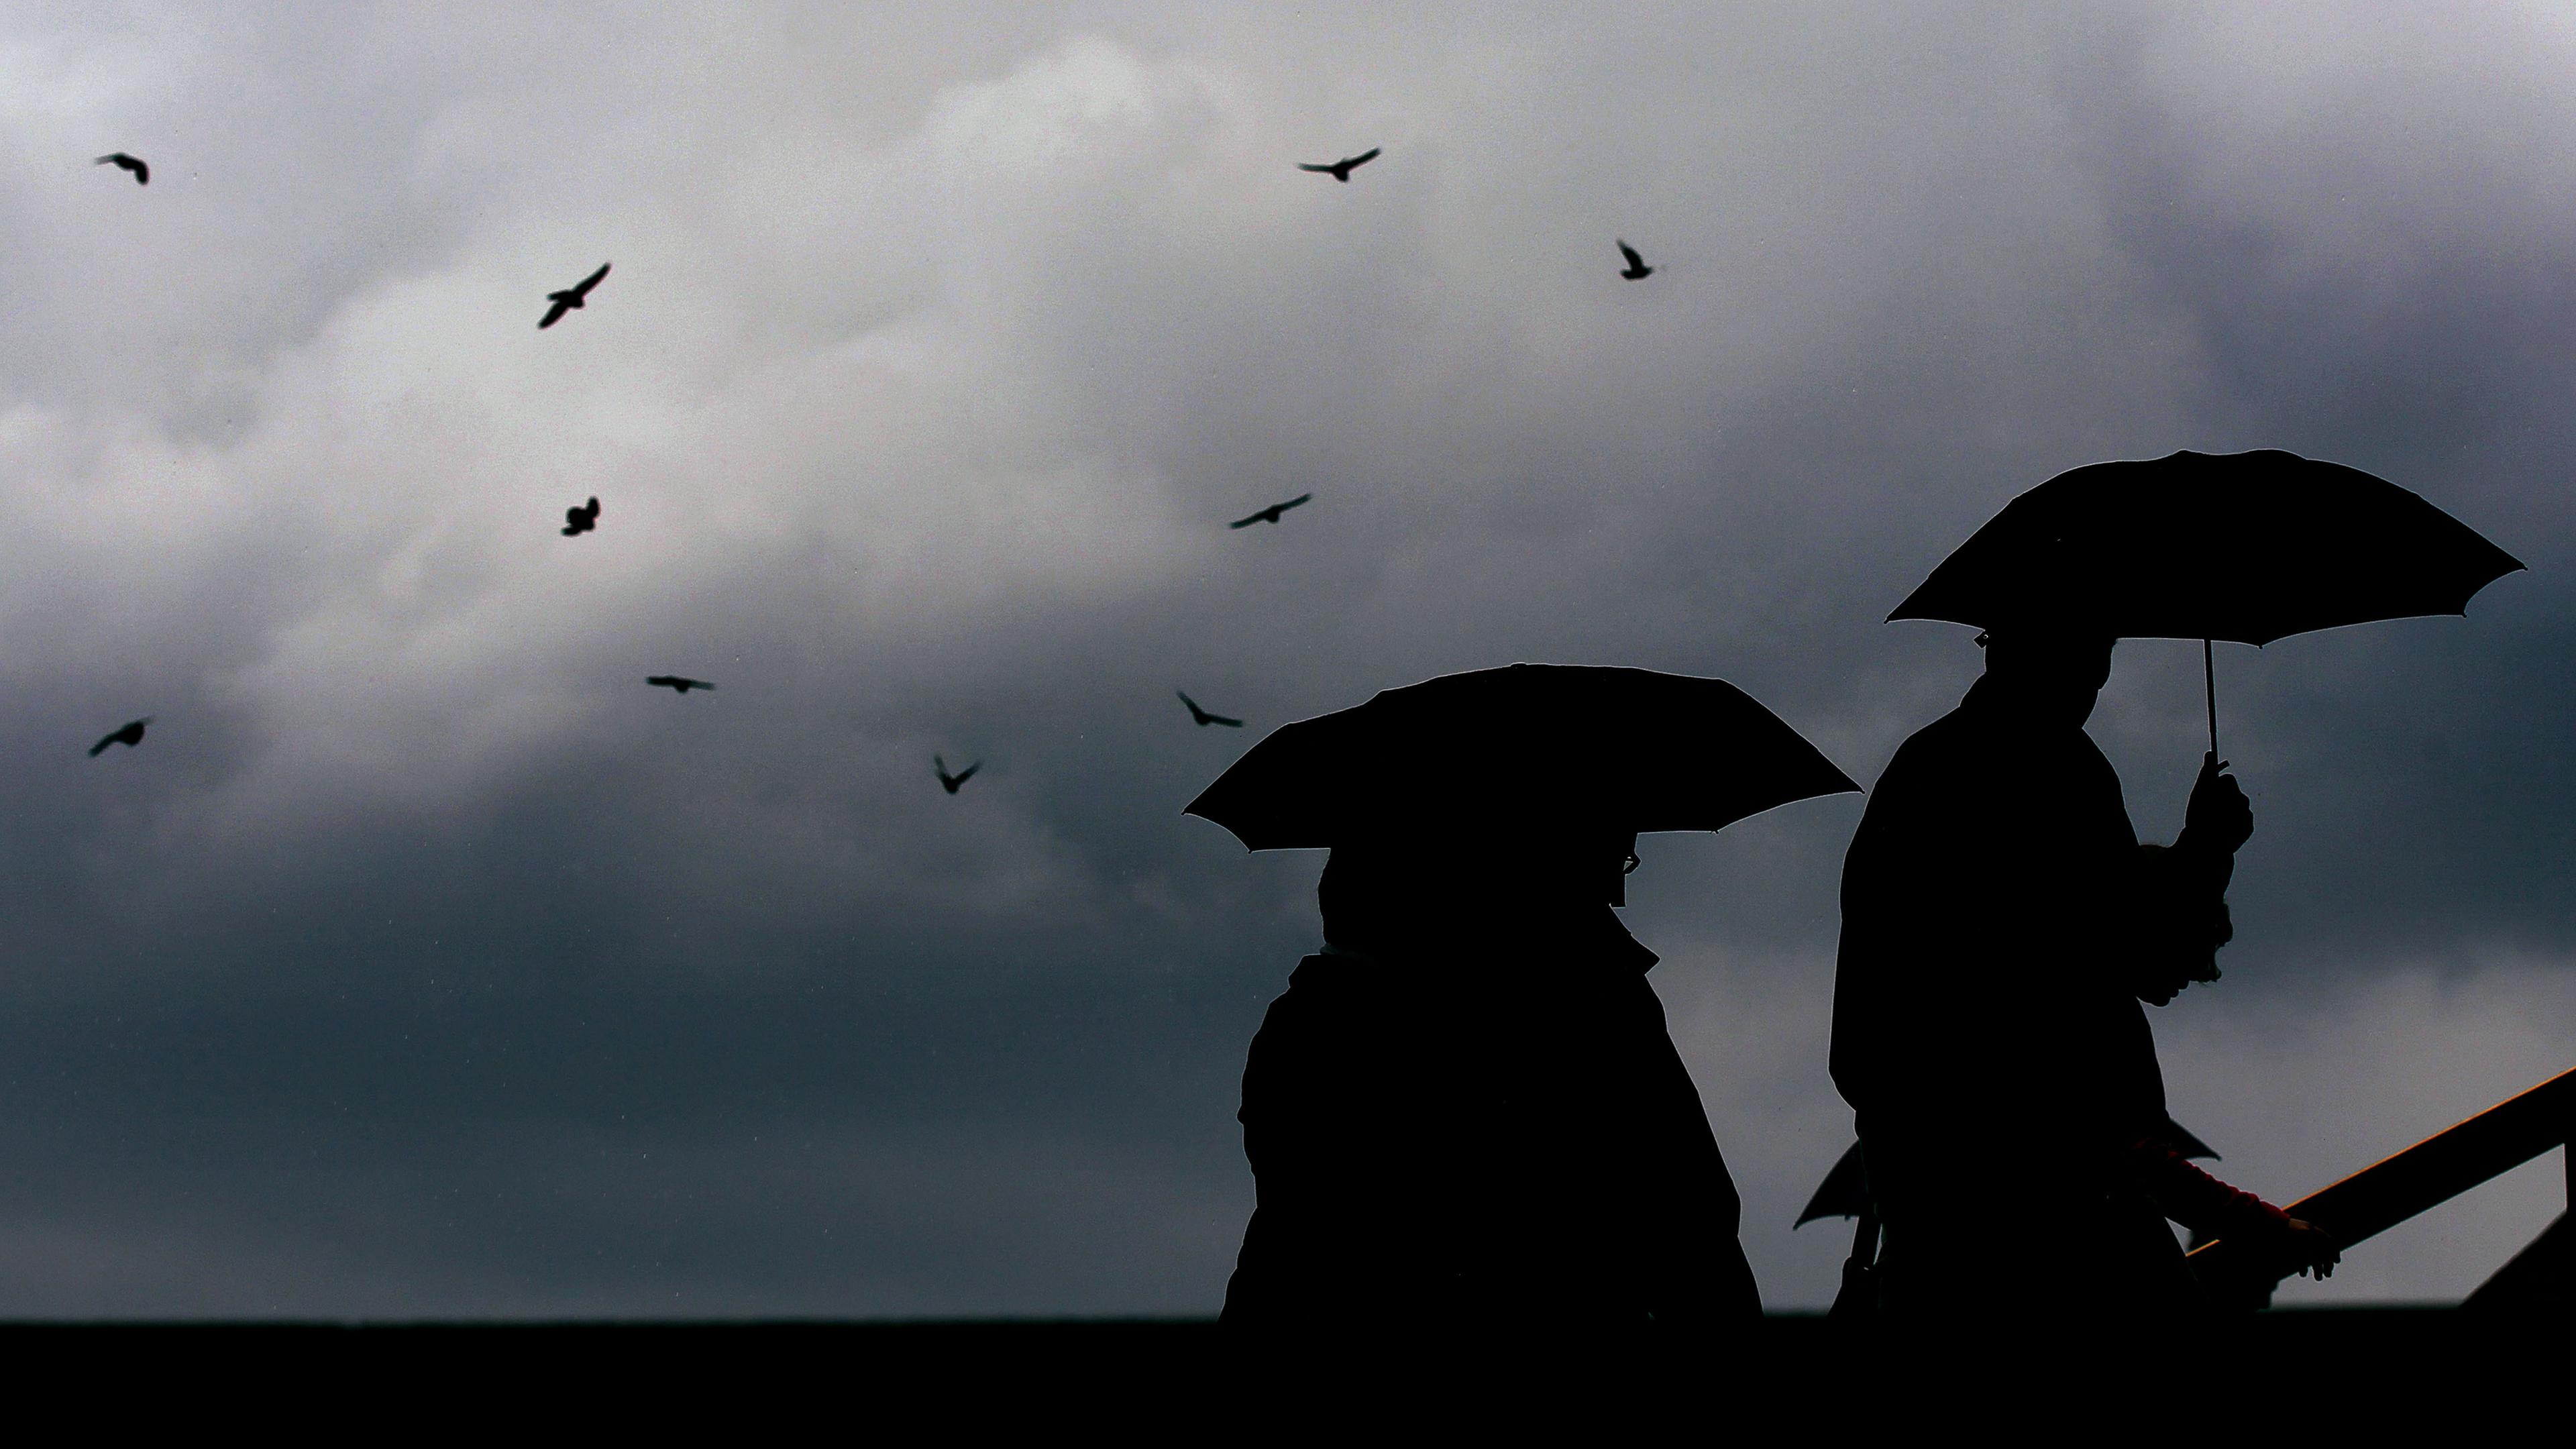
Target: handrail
(2387,1193)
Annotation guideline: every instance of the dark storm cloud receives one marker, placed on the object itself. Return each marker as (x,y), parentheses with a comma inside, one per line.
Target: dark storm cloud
(425,961)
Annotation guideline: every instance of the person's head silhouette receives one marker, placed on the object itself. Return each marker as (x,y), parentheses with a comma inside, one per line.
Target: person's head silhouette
(1408,894)
(2048,668)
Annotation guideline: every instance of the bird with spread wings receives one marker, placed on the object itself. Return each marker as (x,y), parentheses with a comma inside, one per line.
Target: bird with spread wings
(122,162)
(1202,718)
(1341,170)
(1271,513)
(570,297)
(949,782)
(128,734)
(677,683)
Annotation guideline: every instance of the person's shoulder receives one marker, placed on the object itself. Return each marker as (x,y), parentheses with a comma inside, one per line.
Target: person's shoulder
(1938,751)
(1329,977)
(1296,1012)
(1318,969)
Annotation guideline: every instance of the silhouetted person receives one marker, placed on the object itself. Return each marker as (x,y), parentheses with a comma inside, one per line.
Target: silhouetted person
(1341,170)
(581,518)
(1636,270)
(1203,719)
(2000,923)
(1465,1115)
(128,734)
(1271,513)
(677,683)
(571,297)
(949,782)
(132,164)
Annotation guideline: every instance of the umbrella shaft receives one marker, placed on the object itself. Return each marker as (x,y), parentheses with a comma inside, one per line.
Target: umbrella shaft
(2209,688)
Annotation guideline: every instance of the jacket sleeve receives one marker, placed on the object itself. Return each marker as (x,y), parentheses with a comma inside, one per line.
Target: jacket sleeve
(2178,912)
(2193,1198)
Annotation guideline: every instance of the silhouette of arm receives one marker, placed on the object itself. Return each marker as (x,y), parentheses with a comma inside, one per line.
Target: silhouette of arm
(2178,915)
(2213,1209)
(2193,1198)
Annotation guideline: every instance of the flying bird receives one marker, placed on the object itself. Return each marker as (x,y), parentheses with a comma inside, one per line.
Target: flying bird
(948,781)
(1637,270)
(123,162)
(1341,170)
(570,298)
(581,518)
(680,682)
(128,734)
(1271,513)
(1202,718)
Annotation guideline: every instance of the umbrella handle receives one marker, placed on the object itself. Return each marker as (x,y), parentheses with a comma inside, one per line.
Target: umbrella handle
(2209,686)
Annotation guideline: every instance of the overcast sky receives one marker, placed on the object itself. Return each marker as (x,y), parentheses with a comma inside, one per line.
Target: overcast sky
(423,961)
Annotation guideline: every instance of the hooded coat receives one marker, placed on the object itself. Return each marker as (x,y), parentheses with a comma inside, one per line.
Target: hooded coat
(1482,1130)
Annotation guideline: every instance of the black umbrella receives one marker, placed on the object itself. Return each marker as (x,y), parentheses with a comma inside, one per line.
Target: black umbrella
(1529,748)
(2250,547)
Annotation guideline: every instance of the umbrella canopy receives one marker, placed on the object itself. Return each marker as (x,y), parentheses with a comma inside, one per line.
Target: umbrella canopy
(1517,752)
(1845,1191)
(2251,547)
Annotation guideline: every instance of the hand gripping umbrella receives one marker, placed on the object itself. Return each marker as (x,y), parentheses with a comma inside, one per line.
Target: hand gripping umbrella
(1511,753)
(2250,547)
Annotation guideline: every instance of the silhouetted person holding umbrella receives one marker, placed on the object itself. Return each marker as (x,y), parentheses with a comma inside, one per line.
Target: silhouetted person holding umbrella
(2000,922)
(2000,925)
(1465,1113)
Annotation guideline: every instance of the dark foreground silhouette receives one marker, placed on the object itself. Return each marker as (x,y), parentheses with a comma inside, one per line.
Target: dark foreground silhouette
(1636,270)
(1465,1113)
(676,683)
(133,165)
(2000,927)
(581,518)
(129,734)
(949,782)
(1175,1378)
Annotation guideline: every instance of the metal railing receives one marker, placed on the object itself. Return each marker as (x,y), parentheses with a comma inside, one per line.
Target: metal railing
(2387,1193)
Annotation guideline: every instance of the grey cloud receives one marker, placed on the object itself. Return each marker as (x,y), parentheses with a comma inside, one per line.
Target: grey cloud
(424,961)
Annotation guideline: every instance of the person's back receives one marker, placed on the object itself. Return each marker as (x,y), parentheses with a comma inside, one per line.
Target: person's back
(1982,1011)
(1971,893)
(1480,1123)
